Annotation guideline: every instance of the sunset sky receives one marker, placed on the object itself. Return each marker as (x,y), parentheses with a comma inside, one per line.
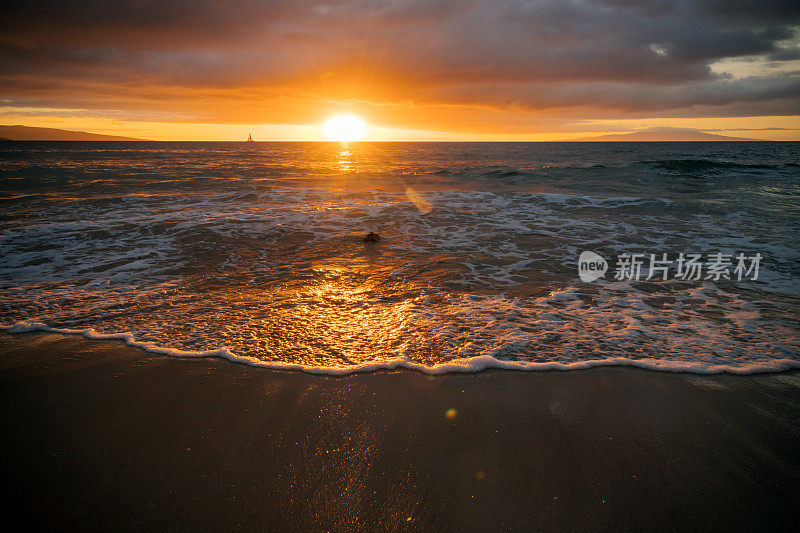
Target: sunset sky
(414,70)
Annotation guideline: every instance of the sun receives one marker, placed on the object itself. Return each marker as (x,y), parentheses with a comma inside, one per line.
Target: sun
(344,128)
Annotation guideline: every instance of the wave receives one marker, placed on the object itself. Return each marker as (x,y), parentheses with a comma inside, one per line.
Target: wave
(464,365)
(705,165)
(255,255)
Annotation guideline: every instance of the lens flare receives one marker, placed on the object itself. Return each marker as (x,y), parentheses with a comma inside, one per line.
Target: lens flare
(421,203)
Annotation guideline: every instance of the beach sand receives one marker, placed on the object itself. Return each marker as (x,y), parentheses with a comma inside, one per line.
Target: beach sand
(98,435)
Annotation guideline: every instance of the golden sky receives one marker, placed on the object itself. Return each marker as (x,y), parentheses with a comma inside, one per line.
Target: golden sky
(414,70)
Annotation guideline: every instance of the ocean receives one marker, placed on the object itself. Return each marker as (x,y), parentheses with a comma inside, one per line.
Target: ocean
(254,252)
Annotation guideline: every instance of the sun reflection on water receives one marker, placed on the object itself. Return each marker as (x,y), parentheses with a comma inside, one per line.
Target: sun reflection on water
(345,314)
(345,160)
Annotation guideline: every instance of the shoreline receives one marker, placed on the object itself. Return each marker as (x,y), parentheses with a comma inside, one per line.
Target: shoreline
(468,366)
(100,435)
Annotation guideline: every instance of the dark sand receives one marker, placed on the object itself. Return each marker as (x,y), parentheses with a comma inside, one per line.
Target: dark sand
(97,435)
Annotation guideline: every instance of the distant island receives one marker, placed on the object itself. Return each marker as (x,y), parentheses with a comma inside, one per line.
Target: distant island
(27,133)
(662,134)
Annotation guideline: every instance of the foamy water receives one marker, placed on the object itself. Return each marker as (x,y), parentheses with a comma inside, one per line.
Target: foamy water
(254,253)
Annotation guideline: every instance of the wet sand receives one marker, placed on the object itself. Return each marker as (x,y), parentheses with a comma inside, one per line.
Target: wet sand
(97,435)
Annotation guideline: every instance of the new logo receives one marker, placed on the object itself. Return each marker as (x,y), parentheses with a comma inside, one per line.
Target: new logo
(591,266)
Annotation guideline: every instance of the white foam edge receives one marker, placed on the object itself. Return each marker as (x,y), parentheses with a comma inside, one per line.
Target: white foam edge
(466,365)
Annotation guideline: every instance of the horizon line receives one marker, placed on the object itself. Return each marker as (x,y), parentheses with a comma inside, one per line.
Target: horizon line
(584,141)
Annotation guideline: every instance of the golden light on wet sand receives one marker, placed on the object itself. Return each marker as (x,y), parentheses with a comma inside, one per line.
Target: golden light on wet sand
(344,128)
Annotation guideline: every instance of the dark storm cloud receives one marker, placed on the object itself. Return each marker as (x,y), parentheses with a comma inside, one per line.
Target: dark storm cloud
(631,56)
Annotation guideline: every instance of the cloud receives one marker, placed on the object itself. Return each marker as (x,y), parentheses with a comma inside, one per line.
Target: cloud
(602,57)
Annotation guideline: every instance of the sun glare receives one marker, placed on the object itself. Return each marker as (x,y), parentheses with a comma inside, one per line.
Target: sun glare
(344,128)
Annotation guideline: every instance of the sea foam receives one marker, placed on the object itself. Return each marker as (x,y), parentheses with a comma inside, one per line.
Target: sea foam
(254,254)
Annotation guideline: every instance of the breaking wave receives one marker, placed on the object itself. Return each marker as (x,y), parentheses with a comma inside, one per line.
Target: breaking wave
(254,254)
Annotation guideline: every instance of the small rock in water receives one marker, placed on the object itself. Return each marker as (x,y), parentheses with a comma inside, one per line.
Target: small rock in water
(371,237)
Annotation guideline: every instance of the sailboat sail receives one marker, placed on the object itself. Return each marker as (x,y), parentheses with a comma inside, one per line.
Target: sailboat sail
(250,138)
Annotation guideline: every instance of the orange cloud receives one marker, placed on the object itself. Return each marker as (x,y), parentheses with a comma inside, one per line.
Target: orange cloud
(460,68)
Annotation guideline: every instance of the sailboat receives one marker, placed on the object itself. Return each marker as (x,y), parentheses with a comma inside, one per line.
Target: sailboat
(250,138)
